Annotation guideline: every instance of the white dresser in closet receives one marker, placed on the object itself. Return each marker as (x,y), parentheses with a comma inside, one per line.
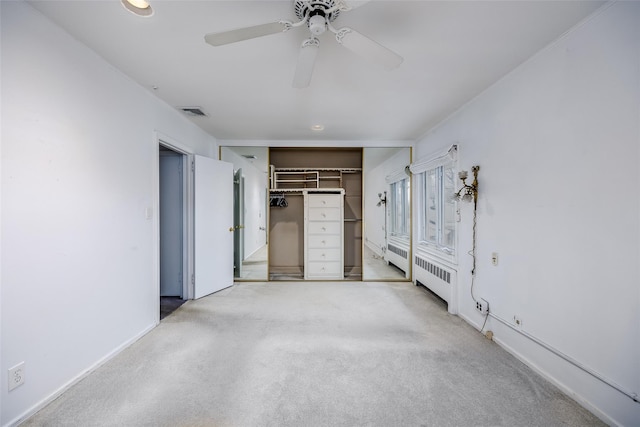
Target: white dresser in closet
(324,234)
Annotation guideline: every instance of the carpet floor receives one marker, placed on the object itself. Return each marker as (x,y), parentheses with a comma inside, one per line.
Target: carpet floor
(314,354)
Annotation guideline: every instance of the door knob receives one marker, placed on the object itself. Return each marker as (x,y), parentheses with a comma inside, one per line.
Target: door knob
(230,228)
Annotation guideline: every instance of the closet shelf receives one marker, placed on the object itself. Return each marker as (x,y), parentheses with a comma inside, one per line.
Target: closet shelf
(318,169)
(300,178)
(306,190)
(285,190)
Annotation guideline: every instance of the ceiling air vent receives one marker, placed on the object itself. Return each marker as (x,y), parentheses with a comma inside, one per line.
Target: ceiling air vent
(193,111)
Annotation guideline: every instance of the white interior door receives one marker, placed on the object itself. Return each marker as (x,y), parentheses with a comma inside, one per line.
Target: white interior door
(213,225)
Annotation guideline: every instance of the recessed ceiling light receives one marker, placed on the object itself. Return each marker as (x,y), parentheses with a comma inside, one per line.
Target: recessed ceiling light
(317,128)
(139,7)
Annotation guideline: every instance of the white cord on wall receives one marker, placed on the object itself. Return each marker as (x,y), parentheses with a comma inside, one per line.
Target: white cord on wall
(632,395)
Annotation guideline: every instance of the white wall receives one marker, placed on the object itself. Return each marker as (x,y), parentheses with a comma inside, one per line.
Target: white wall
(255,193)
(558,144)
(79,169)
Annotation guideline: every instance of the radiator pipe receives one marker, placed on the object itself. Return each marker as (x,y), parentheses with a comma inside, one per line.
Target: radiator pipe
(631,395)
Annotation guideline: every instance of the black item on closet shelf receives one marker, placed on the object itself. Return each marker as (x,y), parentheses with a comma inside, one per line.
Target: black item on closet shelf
(278,201)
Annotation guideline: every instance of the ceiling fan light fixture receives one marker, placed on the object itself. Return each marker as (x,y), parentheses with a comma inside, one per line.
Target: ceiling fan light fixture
(138,7)
(317,128)
(317,24)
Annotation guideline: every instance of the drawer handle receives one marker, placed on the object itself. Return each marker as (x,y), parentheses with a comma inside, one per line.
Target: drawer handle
(324,202)
(324,215)
(324,228)
(324,242)
(324,255)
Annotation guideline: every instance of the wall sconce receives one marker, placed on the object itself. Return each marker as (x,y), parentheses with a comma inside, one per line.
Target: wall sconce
(383,199)
(468,192)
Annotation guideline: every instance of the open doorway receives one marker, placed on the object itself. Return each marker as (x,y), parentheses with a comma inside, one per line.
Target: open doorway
(173,230)
(191,265)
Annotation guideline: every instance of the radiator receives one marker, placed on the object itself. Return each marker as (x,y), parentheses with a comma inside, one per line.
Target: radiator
(398,255)
(438,278)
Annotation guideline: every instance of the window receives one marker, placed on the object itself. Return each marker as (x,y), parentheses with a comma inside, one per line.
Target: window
(436,213)
(399,208)
(438,218)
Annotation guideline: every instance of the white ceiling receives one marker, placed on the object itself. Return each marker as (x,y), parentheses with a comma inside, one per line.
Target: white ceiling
(452,51)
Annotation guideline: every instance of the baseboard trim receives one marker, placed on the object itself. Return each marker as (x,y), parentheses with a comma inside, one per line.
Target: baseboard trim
(563,387)
(500,330)
(53,396)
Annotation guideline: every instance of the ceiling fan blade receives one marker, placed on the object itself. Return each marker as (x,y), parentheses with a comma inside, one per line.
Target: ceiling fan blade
(306,61)
(353,4)
(240,34)
(368,48)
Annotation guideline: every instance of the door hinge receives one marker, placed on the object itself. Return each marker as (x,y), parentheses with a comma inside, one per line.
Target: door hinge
(193,166)
(193,279)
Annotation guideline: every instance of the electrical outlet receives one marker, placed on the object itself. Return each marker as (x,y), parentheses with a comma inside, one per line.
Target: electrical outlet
(16,376)
(494,258)
(482,306)
(517,321)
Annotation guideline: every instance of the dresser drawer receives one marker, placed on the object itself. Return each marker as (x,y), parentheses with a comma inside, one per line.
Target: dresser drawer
(333,227)
(324,201)
(320,254)
(325,214)
(325,269)
(319,241)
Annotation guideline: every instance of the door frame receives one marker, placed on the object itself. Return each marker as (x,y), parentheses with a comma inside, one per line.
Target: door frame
(188,248)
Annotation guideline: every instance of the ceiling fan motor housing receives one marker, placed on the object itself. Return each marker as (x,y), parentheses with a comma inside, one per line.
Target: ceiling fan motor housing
(314,8)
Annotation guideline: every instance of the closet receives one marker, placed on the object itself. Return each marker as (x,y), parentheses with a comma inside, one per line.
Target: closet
(315,214)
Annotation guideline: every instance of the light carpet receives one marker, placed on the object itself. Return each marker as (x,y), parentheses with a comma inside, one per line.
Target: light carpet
(314,354)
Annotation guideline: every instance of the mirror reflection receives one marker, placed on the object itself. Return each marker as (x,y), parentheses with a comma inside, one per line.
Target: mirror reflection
(386,205)
(387,214)
(251,175)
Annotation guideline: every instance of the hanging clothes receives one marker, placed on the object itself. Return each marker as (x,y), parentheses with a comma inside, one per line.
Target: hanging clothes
(278,201)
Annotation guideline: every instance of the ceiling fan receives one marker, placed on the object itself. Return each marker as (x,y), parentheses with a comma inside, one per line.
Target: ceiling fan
(318,16)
